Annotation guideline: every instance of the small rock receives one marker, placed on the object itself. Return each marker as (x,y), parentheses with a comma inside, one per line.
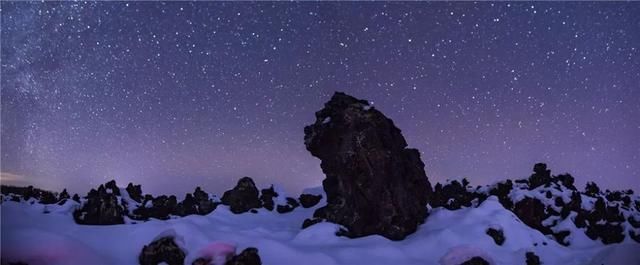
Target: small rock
(309,200)
(249,256)
(497,235)
(532,258)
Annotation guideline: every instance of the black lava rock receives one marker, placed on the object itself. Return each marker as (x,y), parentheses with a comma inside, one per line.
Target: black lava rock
(243,197)
(497,235)
(266,197)
(532,258)
(309,200)
(249,256)
(374,183)
(162,250)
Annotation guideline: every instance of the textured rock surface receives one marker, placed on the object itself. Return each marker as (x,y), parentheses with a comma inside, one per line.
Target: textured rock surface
(101,208)
(249,256)
(374,184)
(243,197)
(309,200)
(497,235)
(162,250)
(266,197)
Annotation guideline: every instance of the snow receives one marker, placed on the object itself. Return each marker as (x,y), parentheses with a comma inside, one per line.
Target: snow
(447,237)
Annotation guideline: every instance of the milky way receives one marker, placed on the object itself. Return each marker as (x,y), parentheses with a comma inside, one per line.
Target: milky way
(175,95)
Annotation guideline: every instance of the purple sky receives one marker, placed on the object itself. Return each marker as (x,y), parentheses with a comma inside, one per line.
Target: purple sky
(175,95)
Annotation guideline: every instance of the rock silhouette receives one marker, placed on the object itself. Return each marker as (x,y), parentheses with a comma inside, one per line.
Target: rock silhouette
(162,250)
(101,208)
(374,184)
(309,200)
(243,197)
(249,256)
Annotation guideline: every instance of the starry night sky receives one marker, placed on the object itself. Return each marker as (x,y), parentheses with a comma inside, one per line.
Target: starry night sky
(175,95)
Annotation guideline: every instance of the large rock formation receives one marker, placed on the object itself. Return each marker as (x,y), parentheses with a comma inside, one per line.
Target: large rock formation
(374,184)
(101,208)
(243,197)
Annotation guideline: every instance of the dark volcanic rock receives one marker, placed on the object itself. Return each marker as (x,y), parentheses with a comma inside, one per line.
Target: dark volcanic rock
(76,198)
(162,250)
(475,261)
(532,212)
(161,207)
(243,197)
(249,256)
(204,204)
(309,200)
(532,258)
(63,196)
(111,185)
(266,197)
(291,204)
(502,190)
(591,189)
(101,208)
(135,192)
(541,176)
(609,233)
(497,235)
(374,184)
(452,196)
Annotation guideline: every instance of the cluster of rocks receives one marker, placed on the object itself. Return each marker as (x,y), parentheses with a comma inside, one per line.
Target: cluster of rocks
(374,183)
(17,194)
(109,205)
(165,251)
(245,197)
(545,204)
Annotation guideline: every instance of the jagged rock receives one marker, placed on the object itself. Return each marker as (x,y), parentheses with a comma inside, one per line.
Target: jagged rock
(309,200)
(101,208)
(204,204)
(187,206)
(608,233)
(476,261)
(502,190)
(266,197)
(374,184)
(497,235)
(541,176)
(567,181)
(160,208)
(64,195)
(560,237)
(532,212)
(452,196)
(76,198)
(111,185)
(162,250)
(135,192)
(249,256)
(291,204)
(591,189)
(532,258)
(243,197)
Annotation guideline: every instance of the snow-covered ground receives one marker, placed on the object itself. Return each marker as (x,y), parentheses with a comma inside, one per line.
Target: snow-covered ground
(447,237)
